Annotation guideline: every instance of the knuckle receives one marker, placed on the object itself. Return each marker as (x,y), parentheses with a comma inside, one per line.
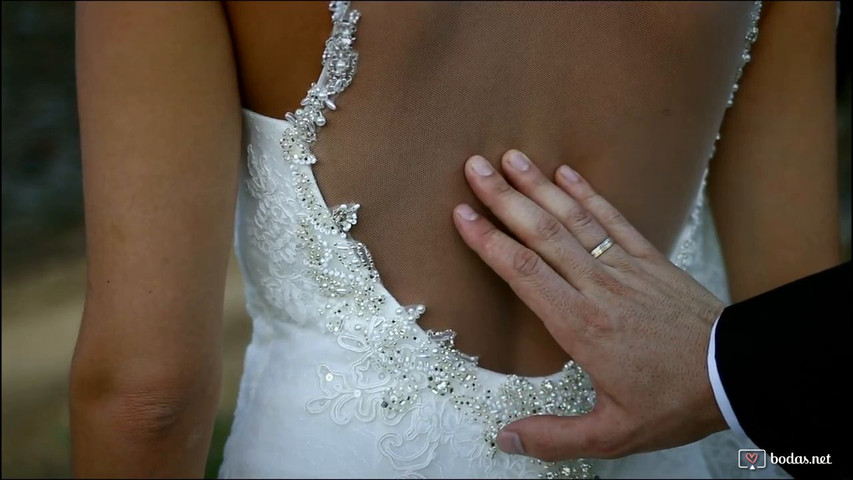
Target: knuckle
(618,289)
(602,280)
(652,255)
(597,324)
(548,227)
(610,446)
(591,197)
(491,239)
(549,447)
(624,265)
(615,218)
(502,189)
(538,180)
(628,438)
(594,441)
(606,444)
(526,262)
(579,217)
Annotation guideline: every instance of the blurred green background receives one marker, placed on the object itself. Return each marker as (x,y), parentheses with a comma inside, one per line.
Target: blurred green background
(43,275)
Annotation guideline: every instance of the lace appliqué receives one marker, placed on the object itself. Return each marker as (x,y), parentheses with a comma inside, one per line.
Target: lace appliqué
(284,286)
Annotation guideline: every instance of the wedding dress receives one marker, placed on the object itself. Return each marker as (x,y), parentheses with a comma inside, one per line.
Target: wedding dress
(341,381)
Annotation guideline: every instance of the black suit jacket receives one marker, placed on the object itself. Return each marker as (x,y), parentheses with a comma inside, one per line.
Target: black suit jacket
(784,360)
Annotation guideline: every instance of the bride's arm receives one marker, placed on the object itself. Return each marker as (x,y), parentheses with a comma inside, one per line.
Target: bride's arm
(773,183)
(160,133)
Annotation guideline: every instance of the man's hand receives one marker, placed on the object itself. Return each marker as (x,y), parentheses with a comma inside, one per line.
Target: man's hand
(636,323)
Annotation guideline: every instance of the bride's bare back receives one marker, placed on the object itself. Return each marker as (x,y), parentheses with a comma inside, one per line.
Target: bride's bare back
(631,95)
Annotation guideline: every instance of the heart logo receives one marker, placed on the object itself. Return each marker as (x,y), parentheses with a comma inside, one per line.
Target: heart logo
(751,457)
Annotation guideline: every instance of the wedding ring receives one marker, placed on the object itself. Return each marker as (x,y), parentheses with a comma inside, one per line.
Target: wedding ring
(601,248)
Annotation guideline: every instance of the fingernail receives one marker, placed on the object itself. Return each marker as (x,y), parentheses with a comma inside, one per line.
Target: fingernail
(509,442)
(481,166)
(465,212)
(568,174)
(519,161)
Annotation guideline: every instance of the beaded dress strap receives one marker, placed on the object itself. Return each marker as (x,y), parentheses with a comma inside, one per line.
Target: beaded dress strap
(339,64)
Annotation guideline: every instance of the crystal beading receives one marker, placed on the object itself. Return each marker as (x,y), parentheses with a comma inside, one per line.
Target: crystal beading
(339,64)
(751,37)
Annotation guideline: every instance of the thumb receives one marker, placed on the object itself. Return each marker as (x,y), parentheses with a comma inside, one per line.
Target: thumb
(554,438)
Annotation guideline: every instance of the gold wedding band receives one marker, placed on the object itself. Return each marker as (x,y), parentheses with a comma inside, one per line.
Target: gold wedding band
(601,248)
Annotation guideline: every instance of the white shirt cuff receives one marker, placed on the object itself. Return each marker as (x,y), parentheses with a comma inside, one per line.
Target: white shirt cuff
(717,384)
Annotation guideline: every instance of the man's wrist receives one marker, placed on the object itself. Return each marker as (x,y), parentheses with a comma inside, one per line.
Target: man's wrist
(723,404)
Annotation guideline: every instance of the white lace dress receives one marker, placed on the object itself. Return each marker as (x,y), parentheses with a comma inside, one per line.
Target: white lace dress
(340,381)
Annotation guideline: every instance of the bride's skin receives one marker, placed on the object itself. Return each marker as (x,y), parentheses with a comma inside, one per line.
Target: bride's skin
(160,132)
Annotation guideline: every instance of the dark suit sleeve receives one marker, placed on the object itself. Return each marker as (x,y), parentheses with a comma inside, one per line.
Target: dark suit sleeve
(784,361)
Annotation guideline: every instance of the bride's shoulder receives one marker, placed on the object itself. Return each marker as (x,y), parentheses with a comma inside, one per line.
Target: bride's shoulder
(278,46)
